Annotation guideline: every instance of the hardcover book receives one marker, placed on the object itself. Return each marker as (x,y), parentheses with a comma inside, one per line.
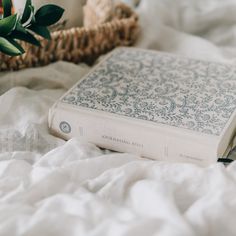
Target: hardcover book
(153,104)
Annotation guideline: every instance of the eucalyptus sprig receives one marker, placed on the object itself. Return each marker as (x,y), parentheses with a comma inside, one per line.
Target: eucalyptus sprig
(24,26)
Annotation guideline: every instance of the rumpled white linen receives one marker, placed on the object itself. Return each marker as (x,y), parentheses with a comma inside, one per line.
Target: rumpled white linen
(52,187)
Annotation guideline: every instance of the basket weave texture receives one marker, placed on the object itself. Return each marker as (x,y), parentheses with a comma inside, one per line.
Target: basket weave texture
(81,44)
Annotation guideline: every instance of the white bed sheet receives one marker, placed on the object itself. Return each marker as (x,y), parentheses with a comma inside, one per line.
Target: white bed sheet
(52,187)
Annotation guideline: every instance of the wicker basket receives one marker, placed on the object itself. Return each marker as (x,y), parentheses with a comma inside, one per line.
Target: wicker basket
(80,44)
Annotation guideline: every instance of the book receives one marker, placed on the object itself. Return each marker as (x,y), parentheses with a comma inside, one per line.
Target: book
(153,104)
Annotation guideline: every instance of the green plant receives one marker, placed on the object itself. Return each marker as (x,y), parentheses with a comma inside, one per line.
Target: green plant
(14,27)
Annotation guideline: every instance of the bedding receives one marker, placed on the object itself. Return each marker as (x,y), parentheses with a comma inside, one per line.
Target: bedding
(52,187)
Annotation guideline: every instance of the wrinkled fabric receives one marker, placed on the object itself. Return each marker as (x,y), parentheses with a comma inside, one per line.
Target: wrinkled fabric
(52,187)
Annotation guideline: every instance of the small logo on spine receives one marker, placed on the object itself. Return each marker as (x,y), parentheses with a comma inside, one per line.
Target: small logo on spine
(65,127)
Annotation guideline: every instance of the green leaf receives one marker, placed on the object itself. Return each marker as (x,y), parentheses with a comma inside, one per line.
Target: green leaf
(7,5)
(20,28)
(33,21)
(48,15)
(7,24)
(27,11)
(16,44)
(41,30)
(27,37)
(10,47)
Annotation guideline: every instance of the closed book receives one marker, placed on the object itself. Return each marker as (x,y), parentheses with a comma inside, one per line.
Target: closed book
(153,104)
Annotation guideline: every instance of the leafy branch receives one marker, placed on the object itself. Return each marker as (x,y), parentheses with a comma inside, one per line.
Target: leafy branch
(14,27)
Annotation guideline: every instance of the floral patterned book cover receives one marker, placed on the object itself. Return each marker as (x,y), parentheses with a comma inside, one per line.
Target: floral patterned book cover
(177,91)
(163,89)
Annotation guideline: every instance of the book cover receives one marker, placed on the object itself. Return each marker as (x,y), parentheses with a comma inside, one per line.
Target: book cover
(166,97)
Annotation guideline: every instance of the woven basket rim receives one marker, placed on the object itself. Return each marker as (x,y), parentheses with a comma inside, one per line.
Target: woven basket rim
(124,7)
(78,44)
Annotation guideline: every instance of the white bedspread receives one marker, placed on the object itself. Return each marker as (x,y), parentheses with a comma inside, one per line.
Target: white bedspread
(52,187)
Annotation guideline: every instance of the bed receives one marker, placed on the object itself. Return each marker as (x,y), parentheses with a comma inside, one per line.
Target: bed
(52,187)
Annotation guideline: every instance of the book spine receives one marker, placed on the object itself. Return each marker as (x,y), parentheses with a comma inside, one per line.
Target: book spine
(127,136)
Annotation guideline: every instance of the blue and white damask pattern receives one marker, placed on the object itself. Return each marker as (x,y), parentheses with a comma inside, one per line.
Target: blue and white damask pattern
(162,88)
